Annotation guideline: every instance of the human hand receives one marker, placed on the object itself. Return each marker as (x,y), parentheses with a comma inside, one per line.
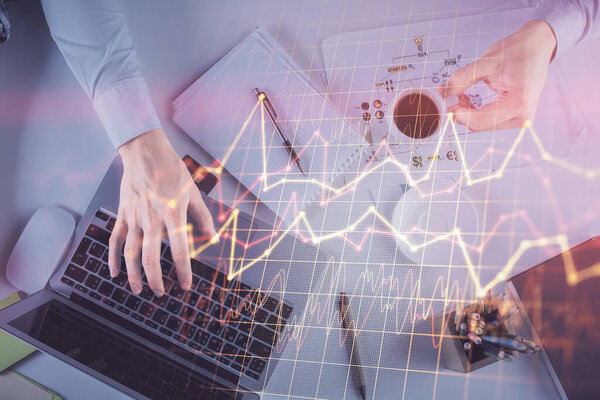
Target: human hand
(156,193)
(516,68)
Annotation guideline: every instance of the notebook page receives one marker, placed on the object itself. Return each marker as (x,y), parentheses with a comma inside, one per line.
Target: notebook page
(222,113)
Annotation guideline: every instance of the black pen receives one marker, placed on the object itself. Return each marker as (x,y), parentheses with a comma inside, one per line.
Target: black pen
(355,365)
(262,96)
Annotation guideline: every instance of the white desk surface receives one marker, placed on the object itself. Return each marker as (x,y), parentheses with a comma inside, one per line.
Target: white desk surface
(54,151)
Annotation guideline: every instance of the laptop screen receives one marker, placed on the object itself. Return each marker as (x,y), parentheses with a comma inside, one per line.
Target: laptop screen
(566,317)
(115,355)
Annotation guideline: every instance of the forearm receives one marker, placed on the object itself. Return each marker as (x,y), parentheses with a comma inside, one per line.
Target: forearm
(94,38)
(571,20)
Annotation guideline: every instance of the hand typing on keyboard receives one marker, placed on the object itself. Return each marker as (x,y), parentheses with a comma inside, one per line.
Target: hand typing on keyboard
(156,193)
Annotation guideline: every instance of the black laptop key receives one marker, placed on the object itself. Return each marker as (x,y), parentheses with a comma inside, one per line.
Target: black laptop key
(252,375)
(165,331)
(257,365)
(109,302)
(133,302)
(95,295)
(96,249)
(271,304)
(104,271)
(92,282)
(160,316)
(195,281)
(194,345)
(216,311)
(93,265)
(201,320)
(75,273)
(147,309)
(264,334)
(260,349)
(203,303)
(230,335)
(215,344)
(246,309)
(201,338)
(105,256)
(261,316)
(216,294)
(188,313)
(204,287)
(146,293)
(106,288)
(151,324)
(111,224)
(229,300)
(177,291)
(174,306)
(81,253)
(137,317)
(167,254)
(121,279)
(245,325)
(166,267)
(66,280)
(229,350)
(161,301)
(188,330)
(174,323)
(273,321)
(119,295)
(286,311)
(215,327)
(180,338)
(191,298)
(81,288)
(123,310)
(244,290)
(97,233)
(237,367)
(242,340)
(101,215)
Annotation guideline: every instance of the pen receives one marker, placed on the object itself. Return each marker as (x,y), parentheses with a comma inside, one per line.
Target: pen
(355,364)
(262,97)
(506,342)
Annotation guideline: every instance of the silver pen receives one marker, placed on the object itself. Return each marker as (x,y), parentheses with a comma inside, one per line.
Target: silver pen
(262,97)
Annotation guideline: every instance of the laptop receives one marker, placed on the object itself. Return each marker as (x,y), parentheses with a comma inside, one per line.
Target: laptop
(564,319)
(219,340)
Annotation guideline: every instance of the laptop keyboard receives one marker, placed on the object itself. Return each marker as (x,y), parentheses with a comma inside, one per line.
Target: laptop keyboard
(232,323)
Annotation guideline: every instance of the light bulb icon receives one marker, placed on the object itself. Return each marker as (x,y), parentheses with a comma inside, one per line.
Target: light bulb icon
(419,42)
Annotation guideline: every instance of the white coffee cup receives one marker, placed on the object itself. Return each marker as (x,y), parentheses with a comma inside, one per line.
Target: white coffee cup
(420,113)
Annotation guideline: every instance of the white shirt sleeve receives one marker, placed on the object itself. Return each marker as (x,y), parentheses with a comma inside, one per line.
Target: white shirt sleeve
(571,20)
(94,38)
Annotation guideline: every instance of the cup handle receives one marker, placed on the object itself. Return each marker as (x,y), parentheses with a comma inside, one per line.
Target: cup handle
(451,100)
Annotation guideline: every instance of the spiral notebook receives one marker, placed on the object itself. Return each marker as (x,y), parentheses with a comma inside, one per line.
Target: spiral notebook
(221,112)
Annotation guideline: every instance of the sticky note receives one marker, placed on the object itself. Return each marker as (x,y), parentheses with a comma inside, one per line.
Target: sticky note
(11,348)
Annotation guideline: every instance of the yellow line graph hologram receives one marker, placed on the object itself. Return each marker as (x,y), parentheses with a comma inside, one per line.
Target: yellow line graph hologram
(573,276)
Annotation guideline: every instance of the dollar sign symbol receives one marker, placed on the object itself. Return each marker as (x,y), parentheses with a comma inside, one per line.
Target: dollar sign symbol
(417,161)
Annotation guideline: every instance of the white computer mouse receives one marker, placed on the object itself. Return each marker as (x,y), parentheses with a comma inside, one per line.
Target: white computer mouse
(40,248)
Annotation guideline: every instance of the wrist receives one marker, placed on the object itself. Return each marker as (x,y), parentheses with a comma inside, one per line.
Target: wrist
(542,37)
(148,149)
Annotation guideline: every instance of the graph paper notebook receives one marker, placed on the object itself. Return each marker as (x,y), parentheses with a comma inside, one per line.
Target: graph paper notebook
(221,112)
